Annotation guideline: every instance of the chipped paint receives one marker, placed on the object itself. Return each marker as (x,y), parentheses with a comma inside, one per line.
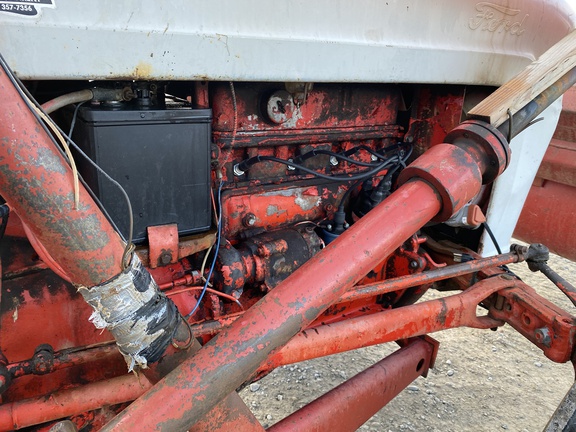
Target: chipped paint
(274,210)
(306,202)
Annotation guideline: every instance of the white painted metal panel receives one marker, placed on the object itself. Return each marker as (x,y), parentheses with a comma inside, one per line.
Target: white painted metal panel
(511,188)
(441,41)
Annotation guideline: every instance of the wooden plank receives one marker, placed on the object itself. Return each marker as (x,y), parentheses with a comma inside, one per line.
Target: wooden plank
(524,87)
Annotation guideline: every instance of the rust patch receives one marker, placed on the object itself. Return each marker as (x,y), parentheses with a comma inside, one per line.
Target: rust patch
(143,71)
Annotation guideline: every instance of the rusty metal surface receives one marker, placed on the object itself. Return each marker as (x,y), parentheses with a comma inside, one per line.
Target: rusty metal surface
(486,144)
(258,210)
(409,321)
(163,245)
(266,259)
(212,327)
(452,171)
(229,415)
(64,403)
(187,246)
(230,358)
(28,311)
(238,350)
(408,281)
(40,365)
(265,208)
(544,324)
(348,406)
(476,155)
(325,106)
(391,325)
(37,184)
(428,127)
(548,217)
(559,163)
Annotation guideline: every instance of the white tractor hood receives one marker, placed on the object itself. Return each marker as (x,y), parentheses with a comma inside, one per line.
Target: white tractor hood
(409,41)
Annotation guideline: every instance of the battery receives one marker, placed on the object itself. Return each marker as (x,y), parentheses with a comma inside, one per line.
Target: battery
(160,157)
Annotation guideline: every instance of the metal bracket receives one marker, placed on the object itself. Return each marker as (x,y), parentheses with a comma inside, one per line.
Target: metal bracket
(163,241)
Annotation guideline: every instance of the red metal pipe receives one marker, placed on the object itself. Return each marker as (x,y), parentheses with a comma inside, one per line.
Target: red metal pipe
(230,358)
(351,404)
(16,415)
(65,403)
(36,182)
(63,360)
(236,353)
(67,358)
(79,241)
(229,415)
(391,325)
(409,281)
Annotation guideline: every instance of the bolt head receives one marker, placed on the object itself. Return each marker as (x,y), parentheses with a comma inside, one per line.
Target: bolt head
(166,258)
(542,335)
(333,160)
(249,220)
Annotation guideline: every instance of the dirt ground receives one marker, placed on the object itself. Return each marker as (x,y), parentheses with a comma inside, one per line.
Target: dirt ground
(483,380)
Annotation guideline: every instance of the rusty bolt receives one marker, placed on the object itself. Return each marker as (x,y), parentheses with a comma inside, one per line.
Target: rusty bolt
(542,336)
(43,359)
(5,378)
(41,367)
(214,152)
(249,220)
(127,94)
(166,258)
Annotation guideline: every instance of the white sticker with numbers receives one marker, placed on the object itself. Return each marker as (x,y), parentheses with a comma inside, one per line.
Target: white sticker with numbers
(25,8)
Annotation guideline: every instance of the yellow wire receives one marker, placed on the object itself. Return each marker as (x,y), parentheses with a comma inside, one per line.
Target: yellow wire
(50,123)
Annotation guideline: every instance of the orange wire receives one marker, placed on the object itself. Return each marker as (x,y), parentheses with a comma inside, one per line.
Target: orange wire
(210,290)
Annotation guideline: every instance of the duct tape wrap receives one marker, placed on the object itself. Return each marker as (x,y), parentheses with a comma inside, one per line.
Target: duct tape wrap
(140,317)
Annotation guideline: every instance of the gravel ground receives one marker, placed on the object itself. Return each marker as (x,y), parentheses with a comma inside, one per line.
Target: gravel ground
(483,380)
